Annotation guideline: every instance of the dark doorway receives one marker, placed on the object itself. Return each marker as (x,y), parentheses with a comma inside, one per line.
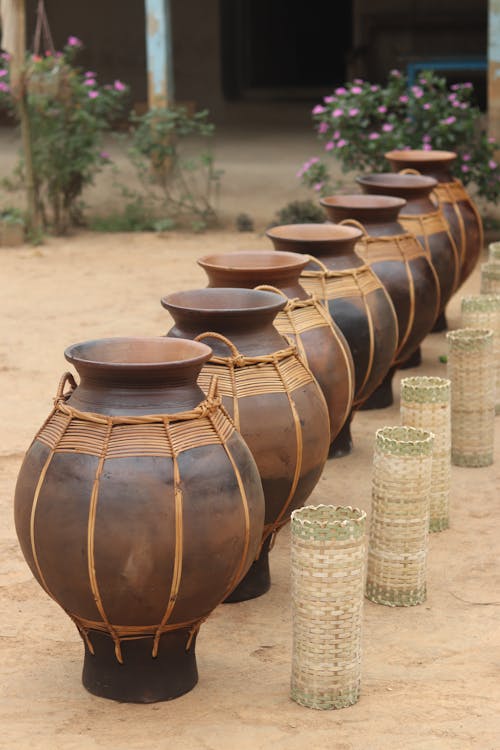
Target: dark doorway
(284,48)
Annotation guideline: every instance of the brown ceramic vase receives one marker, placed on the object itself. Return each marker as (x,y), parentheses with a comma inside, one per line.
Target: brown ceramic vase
(422,218)
(401,264)
(272,396)
(138,508)
(459,209)
(303,319)
(355,297)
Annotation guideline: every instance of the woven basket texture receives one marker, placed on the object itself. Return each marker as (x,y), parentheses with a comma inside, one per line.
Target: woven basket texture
(401,486)
(483,311)
(425,404)
(471,371)
(327,563)
(494,251)
(490,277)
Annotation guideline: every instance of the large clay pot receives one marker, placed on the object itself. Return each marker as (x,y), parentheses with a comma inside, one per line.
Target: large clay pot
(401,264)
(459,209)
(426,221)
(319,340)
(272,396)
(355,297)
(138,508)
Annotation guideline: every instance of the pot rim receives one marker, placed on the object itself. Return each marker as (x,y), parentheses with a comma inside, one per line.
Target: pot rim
(319,233)
(418,154)
(361,200)
(269,302)
(284,261)
(398,181)
(166,353)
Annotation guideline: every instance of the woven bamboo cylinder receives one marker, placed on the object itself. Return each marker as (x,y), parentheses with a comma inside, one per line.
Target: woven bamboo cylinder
(397,550)
(483,311)
(425,404)
(490,277)
(471,371)
(494,251)
(328,553)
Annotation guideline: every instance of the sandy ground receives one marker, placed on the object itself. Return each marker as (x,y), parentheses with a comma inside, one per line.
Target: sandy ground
(430,673)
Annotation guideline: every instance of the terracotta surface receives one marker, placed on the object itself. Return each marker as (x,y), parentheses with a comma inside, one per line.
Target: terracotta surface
(429,678)
(303,320)
(109,518)
(275,402)
(423,219)
(458,207)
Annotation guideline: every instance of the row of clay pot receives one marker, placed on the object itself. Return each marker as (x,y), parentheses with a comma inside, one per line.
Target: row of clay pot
(139,507)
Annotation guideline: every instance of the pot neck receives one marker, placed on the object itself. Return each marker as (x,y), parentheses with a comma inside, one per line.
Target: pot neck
(439,169)
(338,254)
(377,221)
(286,281)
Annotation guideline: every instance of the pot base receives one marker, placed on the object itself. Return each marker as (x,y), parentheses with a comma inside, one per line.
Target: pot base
(414,360)
(381,397)
(342,445)
(256,582)
(441,323)
(141,678)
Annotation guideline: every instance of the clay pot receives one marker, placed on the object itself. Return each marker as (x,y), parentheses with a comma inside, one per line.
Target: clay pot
(354,296)
(426,221)
(138,509)
(400,262)
(269,392)
(459,209)
(319,340)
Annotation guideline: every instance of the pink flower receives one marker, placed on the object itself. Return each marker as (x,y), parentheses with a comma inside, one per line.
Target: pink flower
(3,73)
(456,104)
(329,146)
(464,105)
(423,81)
(382,109)
(322,128)
(337,112)
(329,99)
(340,90)
(426,138)
(455,87)
(427,105)
(387,127)
(396,73)
(452,97)
(467,85)
(317,110)
(4,87)
(403,99)
(317,186)
(5,56)
(427,147)
(73,41)
(417,92)
(93,94)
(119,86)
(373,136)
(341,143)
(491,140)
(492,164)
(48,53)
(359,81)
(353,112)
(89,82)
(104,156)
(374,88)
(448,120)
(90,74)
(466,157)
(356,90)
(336,135)
(465,168)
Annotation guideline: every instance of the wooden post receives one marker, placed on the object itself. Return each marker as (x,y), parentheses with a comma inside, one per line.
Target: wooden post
(494,68)
(159,53)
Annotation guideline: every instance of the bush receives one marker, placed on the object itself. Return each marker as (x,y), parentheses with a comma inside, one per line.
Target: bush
(360,122)
(299,212)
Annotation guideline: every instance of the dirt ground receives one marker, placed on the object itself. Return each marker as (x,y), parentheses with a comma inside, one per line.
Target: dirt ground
(430,673)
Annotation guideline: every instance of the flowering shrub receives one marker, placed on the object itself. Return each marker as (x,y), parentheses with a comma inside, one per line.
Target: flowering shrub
(69,112)
(360,122)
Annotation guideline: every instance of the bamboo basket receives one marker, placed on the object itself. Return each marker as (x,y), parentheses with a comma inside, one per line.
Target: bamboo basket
(490,277)
(483,311)
(397,549)
(494,252)
(425,404)
(471,371)
(327,561)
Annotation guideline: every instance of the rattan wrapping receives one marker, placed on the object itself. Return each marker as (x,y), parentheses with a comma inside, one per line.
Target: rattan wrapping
(425,404)
(327,560)
(483,311)
(490,277)
(471,371)
(494,252)
(397,550)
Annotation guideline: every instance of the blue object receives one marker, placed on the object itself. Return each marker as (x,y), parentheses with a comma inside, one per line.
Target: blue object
(445,64)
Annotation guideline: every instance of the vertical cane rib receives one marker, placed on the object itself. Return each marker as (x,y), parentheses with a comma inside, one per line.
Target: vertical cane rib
(371,332)
(460,220)
(350,379)
(177,572)
(411,288)
(236,407)
(91,545)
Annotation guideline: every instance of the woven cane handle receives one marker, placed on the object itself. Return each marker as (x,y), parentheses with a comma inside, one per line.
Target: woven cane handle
(318,262)
(270,288)
(67,377)
(409,170)
(354,223)
(212,335)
